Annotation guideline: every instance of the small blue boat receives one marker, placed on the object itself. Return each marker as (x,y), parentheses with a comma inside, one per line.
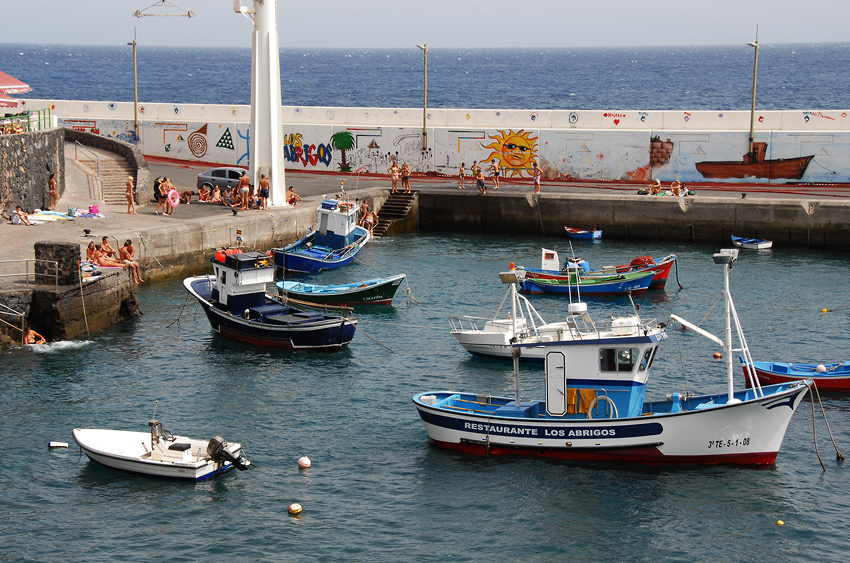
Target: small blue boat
(582,233)
(379,291)
(333,243)
(752,243)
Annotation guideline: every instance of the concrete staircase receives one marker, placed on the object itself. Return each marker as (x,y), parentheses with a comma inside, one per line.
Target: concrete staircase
(114,170)
(395,208)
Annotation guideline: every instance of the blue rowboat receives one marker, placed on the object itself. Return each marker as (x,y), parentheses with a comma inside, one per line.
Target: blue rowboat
(379,291)
(582,233)
(752,243)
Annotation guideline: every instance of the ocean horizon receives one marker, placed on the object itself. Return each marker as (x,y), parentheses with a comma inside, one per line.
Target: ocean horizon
(790,76)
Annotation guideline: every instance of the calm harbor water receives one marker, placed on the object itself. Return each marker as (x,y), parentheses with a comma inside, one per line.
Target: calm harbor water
(377,490)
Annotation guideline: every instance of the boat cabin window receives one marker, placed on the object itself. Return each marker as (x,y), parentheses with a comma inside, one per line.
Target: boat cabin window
(646,361)
(617,359)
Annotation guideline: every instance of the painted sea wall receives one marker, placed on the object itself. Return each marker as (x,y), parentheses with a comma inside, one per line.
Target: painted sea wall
(568,145)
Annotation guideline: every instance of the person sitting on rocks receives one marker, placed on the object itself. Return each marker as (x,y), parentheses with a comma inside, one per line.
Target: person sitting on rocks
(107,250)
(655,189)
(32,337)
(105,261)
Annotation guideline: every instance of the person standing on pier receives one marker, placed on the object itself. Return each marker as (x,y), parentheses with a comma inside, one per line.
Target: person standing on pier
(405,178)
(130,194)
(393,171)
(53,191)
(264,192)
(244,188)
(496,172)
(537,174)
(482,187)
(460,175)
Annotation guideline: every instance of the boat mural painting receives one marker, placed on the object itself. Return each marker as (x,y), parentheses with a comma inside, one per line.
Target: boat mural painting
(594,408)
(756,166)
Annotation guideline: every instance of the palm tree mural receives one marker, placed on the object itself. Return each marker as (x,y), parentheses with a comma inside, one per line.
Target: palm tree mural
(343,141)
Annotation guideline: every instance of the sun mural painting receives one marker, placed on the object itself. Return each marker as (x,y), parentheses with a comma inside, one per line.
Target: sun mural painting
(516,152)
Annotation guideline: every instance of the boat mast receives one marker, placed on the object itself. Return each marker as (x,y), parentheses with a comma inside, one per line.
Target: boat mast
(755,45)
(513,277)
(728,257)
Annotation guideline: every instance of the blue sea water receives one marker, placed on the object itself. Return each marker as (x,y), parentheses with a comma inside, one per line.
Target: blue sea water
(801,76)
(377,491)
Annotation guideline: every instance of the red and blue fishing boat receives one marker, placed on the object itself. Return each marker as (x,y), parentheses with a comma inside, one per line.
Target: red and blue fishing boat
(583,234)
(828,377)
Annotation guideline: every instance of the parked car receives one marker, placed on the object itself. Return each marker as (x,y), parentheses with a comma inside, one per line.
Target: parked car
(226,176)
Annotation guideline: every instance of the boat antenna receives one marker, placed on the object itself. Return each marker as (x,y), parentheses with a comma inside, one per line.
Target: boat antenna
(636,308)
(755,45)
(155,405)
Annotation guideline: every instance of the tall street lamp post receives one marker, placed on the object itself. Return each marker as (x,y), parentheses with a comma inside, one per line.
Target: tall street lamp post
(755,45)
(135,88)
(424,49)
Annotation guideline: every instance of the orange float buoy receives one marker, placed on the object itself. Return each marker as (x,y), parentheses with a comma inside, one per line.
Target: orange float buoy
(512,266)
(717,355)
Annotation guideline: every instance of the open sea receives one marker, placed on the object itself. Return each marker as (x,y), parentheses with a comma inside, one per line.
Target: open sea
(802,76)
(377,490)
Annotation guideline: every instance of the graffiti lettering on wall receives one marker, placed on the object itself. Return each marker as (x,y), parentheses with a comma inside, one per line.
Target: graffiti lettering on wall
(514,151)
(294,150)
(83,125)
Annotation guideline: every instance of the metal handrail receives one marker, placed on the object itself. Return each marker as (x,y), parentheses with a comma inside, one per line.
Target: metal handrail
(27,273)
(4,310)
(99,195)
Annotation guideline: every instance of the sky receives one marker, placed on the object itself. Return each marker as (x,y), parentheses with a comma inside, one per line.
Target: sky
(439,23)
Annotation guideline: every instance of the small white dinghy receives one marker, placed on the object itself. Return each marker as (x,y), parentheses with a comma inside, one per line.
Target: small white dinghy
(160,453)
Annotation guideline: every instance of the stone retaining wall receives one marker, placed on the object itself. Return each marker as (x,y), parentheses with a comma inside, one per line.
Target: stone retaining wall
(26,162)
(788,222)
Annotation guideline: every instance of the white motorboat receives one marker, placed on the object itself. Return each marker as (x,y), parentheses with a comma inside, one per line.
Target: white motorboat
(494,337)
(159,453)
(595,409)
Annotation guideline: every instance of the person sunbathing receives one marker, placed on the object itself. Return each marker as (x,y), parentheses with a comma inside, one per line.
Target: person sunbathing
(106,262)
(216,195)
(20,216)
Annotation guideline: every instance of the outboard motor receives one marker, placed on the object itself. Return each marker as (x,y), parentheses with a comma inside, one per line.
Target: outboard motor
(217,448)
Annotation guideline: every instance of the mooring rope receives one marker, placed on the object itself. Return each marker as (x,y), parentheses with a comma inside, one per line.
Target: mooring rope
(838,455)
(815,429)
(180,314)
(151,251)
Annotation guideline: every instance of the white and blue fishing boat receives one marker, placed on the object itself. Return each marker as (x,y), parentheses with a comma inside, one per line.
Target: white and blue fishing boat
(334,241)
(235,301)
(495,337)
(595,408)
(583,234)
(752,243)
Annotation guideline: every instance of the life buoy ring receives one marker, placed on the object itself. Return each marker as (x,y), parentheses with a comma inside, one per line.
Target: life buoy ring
(173,198)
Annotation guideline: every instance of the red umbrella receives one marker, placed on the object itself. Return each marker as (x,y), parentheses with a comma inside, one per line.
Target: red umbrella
(10,85)
(8,102)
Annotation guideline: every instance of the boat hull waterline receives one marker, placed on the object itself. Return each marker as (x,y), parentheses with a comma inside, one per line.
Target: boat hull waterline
(746,433)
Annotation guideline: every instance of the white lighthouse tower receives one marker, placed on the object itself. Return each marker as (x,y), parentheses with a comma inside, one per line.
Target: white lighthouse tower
(266,136)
